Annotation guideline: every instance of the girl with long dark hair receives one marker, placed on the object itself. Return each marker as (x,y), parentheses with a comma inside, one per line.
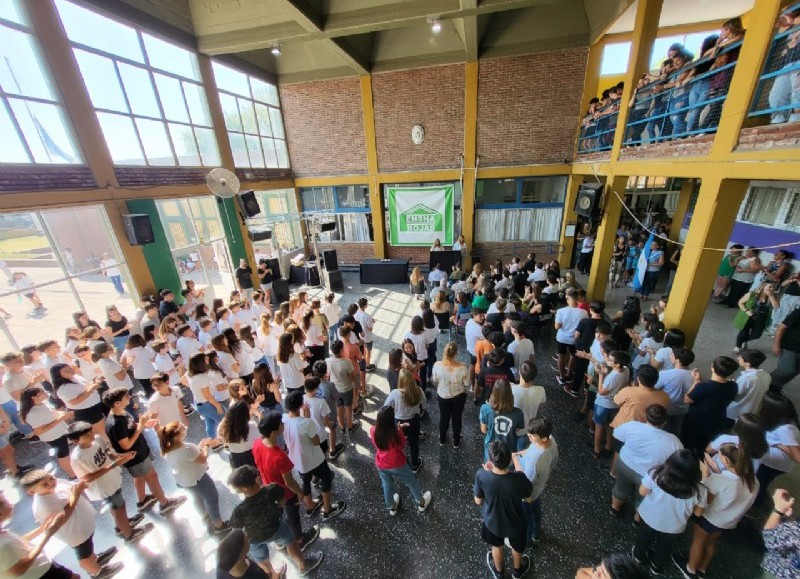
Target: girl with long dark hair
(290,363)
(626,319)
(80,396)
(239,431)
(48,424)
(242,353)
(266,389)
(389,441)
(779,418)
(199,382)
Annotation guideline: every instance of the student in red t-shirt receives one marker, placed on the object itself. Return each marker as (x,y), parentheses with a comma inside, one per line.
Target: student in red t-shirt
(274,466)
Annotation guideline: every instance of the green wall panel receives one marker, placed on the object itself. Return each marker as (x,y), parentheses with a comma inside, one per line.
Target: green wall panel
(229,214)
(158,256)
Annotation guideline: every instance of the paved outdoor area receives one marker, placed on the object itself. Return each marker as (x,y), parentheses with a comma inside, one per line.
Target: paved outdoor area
(445,541)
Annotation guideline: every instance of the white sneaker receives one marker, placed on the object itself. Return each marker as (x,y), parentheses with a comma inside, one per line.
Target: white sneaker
(427,498)
(794,117)
(395,506)
(777,118)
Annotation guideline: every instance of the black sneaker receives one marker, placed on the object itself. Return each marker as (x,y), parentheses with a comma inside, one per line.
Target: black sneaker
(139,532)
(336,510)
(223,529)
(337,451)
(680,562)
(358,409)
(570,391)
(371,367)
(415,468)
(490,563)
(108,571)
(456,444)
(317,506)
(106,556)
(356,424)
(309,537)
(171,505)
(633,556)
(526,566)
(655,569)
(132,521)
(423,435)
(149,501)
(312,562)
(561,380)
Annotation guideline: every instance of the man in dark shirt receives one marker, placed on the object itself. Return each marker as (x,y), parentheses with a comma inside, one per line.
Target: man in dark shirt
(265,277)
(244,279)
(125,435)
(787,348)
(501,494)
(530,263)
(168,305)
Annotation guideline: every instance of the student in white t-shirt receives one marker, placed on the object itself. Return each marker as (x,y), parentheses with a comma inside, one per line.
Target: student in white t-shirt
(239,431)
(527,396)
(189,469)
(21,558)
(318,412)
(676,383)
(779,418)
(96,463)
(521,348)
(732,492)
(165,404)
(80,396)
(748,434)
(207,332)
(367,323)
(188,345)
(54,497)
(47,423)
(83,362)
(611,378)
(115,374)
(141,361)
(662,360)
(199,381)
(672,493)
(566,322)
(753,383)
(647,346)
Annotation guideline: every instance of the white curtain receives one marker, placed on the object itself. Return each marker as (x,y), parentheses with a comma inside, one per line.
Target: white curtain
(518,224)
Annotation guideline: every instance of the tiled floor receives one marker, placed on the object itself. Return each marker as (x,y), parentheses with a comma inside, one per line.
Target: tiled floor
(442,543)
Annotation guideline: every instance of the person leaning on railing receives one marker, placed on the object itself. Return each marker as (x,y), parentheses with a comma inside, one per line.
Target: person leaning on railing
(785,91)
(698,83)
(679,97)
(725,52)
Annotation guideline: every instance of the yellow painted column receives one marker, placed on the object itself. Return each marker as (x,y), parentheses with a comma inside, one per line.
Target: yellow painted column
(645,30)
(712,222)
(375,197)
(752,54)
(685,197)
(223,144)
(569,218)
(606,235)
(470,154)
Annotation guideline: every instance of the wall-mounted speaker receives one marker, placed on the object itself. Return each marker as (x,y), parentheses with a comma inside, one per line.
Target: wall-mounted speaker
(586,204)
(329,260)
(323,227)
(138,228)
(259,234)
(248,204)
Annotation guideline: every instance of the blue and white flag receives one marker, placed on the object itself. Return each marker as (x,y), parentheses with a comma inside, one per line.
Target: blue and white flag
(641,266)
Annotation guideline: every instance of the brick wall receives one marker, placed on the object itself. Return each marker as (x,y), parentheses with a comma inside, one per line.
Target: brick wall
(262,175)
(770,137)
(416,255)
(349,253)
(325,127)
(432,97)
(529,106)
(698,145)
(489,252)
(141,176)
(45,178)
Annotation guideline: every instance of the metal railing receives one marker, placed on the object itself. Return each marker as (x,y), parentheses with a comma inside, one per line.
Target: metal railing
(778,90)
(692,106)
(597,134)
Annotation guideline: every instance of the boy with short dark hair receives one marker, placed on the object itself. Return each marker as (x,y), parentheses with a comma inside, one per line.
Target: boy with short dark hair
(501,494)
(343,376)
(95,463)
(233,562)
(566,323)
(676,382)
(367,323)
(327,391)
(52,497)
(753,384)
(259,514)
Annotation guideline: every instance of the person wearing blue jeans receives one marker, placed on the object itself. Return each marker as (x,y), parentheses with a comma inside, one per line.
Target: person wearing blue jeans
(200,383)
(11,410)
(537,462)
(390,458)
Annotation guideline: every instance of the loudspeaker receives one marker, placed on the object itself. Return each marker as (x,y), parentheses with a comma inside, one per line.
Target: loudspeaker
(275,265)
(323,227)
(259,235)
(248,204)
(332,279)
(138,229)
(587,200)
(280,291)
(329,260)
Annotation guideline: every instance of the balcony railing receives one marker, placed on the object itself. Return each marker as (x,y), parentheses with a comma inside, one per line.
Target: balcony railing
(778,90)
(598,133)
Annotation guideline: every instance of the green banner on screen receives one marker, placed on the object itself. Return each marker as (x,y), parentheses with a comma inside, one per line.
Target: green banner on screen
(420,215)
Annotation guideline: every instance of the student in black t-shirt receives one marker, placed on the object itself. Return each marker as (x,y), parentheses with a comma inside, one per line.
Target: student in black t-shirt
(584,336)
(265,277)
(708,402)
(233,562)
(125,435)
(244,279)
(493,368)
(168,305)
(501,494)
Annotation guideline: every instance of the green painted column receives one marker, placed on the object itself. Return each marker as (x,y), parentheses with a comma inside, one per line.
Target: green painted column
(157,255)
(229,214)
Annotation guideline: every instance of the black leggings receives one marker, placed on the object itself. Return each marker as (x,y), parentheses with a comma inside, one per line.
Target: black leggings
(412,436)
(660,543)
(451,408)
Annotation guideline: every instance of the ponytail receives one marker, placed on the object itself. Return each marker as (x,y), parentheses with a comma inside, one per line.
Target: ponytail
(742,463)
(167,436)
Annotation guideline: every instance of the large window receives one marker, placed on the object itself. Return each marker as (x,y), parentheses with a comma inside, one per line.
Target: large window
(348,206)
(278,214)
(615,56)
(52,256)
(253,119)
(33,127)
(526,209)
(772,205)
(147,93)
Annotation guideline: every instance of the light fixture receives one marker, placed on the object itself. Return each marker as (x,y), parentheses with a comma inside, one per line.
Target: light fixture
(436,25)
(276,49)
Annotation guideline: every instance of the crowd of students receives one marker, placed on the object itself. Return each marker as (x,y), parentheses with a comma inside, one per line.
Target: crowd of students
(279,391)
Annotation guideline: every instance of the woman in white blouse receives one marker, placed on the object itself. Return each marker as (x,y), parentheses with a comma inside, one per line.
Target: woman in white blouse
(290,363)
(451,379)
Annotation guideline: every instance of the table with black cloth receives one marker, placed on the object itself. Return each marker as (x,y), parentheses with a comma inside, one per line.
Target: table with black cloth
(304,274)
(384,271)
(446,259)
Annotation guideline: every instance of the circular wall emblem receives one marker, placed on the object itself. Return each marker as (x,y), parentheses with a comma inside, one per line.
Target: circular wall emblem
(417,134)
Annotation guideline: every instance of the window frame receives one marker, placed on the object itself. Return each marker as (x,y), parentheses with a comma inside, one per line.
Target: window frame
(790,193)
(518,203)
(338,211)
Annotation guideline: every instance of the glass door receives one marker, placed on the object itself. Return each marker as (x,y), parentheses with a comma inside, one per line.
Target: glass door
(197,241)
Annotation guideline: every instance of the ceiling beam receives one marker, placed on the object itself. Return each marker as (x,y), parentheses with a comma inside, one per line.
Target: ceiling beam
(467,28)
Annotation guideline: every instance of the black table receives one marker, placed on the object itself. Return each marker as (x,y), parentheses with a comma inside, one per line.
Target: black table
(304,274)
(446,259)
(384,271)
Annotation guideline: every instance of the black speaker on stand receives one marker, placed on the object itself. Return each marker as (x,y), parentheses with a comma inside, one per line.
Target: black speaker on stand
(280,291)
(332,280)
(329,260)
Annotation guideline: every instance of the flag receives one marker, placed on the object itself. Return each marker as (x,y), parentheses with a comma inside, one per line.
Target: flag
(641,266)
(50,145)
